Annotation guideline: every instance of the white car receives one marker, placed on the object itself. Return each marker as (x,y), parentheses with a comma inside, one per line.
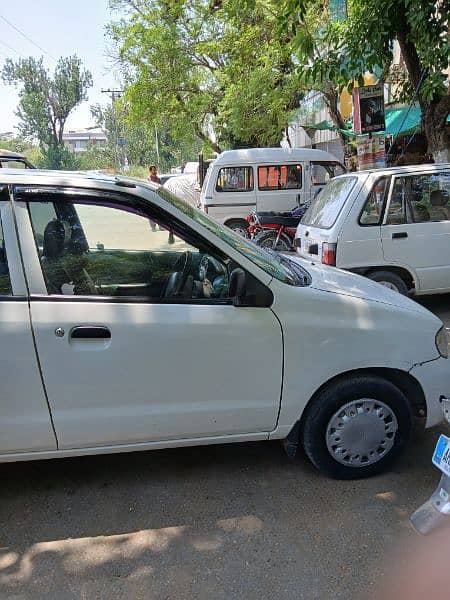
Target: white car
(116,337)
(391,225)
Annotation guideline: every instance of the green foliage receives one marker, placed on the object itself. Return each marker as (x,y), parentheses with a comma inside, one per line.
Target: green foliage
(25,147)
(45,102)
(344,50)
(195,66)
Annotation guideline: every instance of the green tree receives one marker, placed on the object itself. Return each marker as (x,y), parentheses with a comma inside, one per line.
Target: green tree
(45,102)
(364,41)
(216,70)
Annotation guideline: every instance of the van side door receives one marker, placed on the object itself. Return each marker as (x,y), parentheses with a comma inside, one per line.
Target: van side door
(280,188)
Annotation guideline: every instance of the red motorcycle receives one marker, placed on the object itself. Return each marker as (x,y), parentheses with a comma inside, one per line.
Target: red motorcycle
(275,230)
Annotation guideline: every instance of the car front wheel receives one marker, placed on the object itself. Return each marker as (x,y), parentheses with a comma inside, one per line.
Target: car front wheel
(355,428)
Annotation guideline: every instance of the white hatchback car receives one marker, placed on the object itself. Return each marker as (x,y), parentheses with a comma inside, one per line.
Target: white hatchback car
(118,338)
(391,225)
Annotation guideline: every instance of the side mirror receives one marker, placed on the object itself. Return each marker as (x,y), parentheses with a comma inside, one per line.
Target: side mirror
(237,287)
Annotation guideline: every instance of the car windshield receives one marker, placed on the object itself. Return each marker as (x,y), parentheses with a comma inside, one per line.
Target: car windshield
(274,264)
(326,207)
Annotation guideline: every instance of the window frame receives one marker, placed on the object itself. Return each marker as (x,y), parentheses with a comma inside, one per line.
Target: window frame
(387,195)
(279,166)
(232,191)
(29,194)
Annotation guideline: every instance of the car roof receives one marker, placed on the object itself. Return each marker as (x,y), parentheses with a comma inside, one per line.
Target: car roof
(272,155)
(68,178)
(9,154)
(409,169)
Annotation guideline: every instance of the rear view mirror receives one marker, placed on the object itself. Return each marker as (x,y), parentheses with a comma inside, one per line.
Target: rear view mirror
(237,287)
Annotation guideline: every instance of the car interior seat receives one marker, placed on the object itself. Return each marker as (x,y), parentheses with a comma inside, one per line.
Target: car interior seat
(440,210)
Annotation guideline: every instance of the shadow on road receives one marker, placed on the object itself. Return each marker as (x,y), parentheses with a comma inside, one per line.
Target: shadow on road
(237,521)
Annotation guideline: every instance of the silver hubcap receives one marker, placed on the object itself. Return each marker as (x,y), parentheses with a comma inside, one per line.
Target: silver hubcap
(389,285)
(361,432)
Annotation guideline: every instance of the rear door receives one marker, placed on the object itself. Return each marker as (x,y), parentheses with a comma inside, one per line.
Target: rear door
(25,422)
(280,187)
(416,229)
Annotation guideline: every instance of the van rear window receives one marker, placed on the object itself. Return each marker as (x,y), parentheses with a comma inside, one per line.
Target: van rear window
(327,205)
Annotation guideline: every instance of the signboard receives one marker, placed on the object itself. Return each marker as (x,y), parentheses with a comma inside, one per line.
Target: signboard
(371,152)
(368,109)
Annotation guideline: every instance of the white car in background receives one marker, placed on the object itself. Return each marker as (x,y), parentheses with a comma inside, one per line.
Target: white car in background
(391,225)
(117,337)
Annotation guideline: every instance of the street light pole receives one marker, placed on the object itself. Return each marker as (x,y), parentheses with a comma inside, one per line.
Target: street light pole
(114,95)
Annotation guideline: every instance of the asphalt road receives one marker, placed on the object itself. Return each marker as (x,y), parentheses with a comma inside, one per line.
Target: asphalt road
(218,522)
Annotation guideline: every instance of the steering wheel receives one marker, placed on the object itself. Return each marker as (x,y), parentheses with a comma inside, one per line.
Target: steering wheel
(178,278)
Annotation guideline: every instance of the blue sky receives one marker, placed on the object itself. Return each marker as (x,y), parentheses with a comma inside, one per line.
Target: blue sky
(61,28)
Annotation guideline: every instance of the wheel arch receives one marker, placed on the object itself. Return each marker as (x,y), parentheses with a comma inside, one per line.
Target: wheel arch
(403,380)
(402,272)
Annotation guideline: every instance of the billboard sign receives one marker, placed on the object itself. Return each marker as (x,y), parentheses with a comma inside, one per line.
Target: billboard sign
(368,109)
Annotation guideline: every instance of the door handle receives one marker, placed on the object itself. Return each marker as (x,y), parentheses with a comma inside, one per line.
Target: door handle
(399,234)
(90,332)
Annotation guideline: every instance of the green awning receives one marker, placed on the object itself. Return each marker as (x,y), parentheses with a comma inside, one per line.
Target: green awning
(399,121)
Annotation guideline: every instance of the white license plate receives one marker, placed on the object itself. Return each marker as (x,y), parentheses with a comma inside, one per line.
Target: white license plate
(441,455)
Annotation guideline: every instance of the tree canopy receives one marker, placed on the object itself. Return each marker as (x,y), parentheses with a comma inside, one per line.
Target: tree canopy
(45,100)
(218,70)
(364,40)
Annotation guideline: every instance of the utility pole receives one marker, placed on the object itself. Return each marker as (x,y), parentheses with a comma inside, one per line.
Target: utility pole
(114,94)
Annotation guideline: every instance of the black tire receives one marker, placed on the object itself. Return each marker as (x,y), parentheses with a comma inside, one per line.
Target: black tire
(325,406)
(267,238)
(240,227)
(387,277)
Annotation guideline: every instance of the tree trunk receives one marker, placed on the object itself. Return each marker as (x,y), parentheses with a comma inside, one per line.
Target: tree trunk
(331,98)
(434,113)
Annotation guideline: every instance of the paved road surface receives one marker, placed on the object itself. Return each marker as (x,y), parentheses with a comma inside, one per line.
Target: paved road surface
(219,522)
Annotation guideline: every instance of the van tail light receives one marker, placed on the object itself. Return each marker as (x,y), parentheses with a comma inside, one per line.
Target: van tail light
(329,254)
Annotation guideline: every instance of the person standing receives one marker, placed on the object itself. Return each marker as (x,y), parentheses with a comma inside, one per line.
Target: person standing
(153,174)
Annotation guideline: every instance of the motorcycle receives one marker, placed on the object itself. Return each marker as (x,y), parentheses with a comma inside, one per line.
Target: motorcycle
(275,230)
(435,511)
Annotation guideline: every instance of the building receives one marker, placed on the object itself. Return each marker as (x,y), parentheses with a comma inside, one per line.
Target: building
(78,140)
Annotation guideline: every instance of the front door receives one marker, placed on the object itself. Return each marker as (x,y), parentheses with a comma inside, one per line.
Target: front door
(25,422)
(137,336)
(416,232)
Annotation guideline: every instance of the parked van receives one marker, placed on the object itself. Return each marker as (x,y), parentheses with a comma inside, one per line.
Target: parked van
(391,225)
(264,179)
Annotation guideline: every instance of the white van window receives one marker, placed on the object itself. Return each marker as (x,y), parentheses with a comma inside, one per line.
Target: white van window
(372,212)
(279,177)
(327,205)
(235,179)
(422,198)
(322,172)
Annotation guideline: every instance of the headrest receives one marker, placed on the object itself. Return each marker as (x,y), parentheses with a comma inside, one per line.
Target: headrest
(439,198)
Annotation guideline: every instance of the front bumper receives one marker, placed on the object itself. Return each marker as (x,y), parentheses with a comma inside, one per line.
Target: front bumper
(434,377)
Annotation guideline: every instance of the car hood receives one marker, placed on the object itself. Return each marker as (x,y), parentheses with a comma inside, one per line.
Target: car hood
(337,281)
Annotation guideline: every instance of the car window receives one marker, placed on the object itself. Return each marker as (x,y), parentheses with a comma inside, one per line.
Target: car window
(5,282)
(276,266)
(92,248)
(322,172)
(328,204)
(372,212)
(12,164)
(279,177)
(235,179)
(425,197)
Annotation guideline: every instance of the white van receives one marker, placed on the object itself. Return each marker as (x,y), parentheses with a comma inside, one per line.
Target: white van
(391,225)
(264,179)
